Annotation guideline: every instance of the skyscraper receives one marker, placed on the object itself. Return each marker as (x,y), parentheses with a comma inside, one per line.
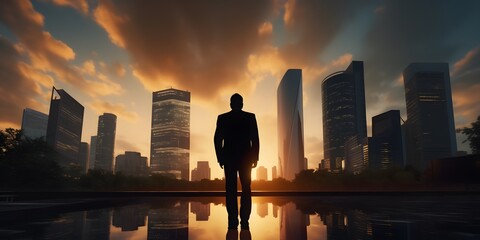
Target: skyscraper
(93,147)
(107,124)
(84,157)
(131,163)
(387,135)
(262,173)
(290,125)
(343,108)
(64,128)
(430,126)
(34,124)
(202,171)
(274,172)
(170,137)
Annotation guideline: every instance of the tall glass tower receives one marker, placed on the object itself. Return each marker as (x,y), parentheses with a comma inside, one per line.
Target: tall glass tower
(430,126)
(291,158)
(343,108)
(104,150)
(170,137)
(34,124)
(64,128)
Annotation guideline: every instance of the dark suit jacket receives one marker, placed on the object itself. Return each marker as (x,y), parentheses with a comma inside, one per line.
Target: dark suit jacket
(236,138)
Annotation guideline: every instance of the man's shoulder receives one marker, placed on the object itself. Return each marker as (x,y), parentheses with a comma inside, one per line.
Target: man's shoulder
(249,114)
(232,114)
(223,115)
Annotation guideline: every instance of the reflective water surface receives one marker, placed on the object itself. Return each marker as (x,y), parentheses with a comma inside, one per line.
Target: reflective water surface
(347,217)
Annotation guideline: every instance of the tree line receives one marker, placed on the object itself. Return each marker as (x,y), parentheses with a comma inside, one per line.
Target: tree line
(32,165)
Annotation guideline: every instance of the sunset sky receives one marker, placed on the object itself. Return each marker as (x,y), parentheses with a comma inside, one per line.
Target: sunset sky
(111,56)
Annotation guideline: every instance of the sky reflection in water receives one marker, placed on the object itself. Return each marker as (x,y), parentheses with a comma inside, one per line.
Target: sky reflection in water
(435,217)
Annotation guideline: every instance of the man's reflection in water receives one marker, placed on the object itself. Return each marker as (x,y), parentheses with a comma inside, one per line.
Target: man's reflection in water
(232,234)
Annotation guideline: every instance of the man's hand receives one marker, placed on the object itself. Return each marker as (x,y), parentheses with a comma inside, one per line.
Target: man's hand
(254,164)
(221,165)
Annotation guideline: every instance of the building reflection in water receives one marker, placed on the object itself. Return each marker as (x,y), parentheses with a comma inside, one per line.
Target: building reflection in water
(168,221)
(275,210)
(84,225)
(68,226)
(355,224)
(130,218)
(293,223)
(262,209)
(201,210)
(97,224)
(332,219)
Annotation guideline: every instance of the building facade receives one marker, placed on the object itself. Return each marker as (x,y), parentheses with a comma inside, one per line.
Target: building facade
(343,108)
(84,156)
(104,151)
(387,132)
(93,147)
(262,173)
(170,135)
(131,163)
(34,124)
(291,156)
(202,171)
(355,160)
(64,128)
(430,125)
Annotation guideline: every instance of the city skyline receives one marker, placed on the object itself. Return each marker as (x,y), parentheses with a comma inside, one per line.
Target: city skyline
(103,66)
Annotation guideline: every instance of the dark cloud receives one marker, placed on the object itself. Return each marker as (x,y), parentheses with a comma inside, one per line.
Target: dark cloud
(17,90)
(413,31)
(312,25)
(202,46)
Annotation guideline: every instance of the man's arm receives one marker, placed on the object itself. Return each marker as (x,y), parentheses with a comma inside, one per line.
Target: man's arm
(218,141)
(254,140)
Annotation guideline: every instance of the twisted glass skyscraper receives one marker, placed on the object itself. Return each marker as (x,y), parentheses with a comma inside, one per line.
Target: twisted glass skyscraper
(291,158)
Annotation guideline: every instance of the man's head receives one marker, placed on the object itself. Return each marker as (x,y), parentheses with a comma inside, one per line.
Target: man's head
(236,102)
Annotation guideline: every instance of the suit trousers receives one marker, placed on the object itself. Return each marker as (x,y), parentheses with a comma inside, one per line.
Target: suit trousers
(245,174)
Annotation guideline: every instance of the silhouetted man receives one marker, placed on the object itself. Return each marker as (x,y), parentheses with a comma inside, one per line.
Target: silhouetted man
(237,146)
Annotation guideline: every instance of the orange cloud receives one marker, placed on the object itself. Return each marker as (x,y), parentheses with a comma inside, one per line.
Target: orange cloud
(120,110)
(466,61)
(89,67)
(289,9)
(199,46)
(47,54)
(265,29)
(465,88)
(466,104)
(19,86)
(110,22)
(80,5)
